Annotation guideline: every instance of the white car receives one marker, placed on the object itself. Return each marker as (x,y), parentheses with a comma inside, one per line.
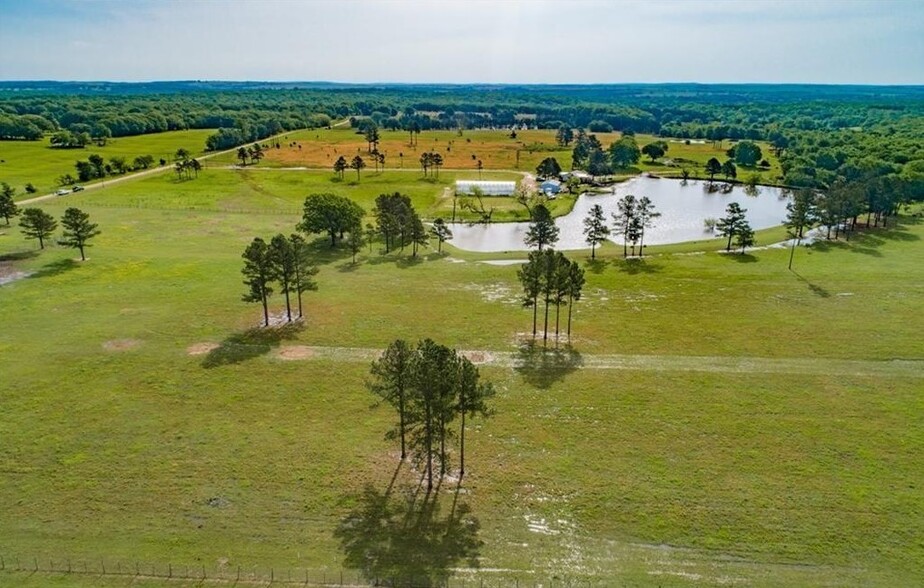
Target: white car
(62,192)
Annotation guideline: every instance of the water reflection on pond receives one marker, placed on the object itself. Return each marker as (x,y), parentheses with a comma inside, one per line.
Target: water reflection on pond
(683,209)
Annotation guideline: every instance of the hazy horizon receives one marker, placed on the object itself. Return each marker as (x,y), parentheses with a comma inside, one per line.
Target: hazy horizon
(857,42)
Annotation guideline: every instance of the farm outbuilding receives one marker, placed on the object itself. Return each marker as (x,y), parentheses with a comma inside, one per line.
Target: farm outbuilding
(582,176)
(550,187)
(487,188)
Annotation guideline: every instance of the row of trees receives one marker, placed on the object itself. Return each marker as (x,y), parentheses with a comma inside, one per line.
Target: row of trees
(429,386)
(38,224)
(633,217)
(254,153)
(285,261)
(357,164)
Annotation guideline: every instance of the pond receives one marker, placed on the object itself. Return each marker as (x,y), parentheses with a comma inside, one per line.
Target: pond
(683,208)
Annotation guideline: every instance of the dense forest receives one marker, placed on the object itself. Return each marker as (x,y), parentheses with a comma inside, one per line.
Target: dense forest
(820,133)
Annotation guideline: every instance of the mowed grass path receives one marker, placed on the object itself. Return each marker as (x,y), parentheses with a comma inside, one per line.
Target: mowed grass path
(38,163)
(118,444)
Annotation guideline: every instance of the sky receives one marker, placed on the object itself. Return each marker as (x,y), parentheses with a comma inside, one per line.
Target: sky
(469,41)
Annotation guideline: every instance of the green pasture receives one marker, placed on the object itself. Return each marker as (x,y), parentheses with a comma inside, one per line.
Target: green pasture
(766,429)
(37,162)
(284,191)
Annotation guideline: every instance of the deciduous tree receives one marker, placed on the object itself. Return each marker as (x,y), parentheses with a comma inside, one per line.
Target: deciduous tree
(624,153)
(331,214)
(654,150)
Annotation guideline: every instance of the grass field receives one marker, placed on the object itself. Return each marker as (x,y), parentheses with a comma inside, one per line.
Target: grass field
(719,419)
(319,148)
(38,163)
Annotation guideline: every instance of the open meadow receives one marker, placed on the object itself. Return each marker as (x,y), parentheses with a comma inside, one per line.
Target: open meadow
(36,162)
(716,419)
(320,148)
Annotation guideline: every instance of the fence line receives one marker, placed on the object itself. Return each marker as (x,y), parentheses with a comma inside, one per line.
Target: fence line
(265,576)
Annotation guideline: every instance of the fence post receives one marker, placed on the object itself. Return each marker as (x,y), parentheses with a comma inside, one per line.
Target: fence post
(238,574)
(68,565)
(203,571)
(169,570)
(341,577)
(35,561)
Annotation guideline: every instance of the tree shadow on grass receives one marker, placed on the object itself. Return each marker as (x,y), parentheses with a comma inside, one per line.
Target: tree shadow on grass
(742,257)
(542,367)
(816,290)
(19,255)
(636,265)
(859,244)
(404,260)
(250,344)
(406,540)
(596,266)
(55,268)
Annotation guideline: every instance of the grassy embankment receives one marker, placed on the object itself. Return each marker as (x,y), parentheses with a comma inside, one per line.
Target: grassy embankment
(787,454)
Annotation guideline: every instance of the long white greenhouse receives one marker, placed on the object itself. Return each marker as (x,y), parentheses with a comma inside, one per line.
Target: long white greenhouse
(487,188)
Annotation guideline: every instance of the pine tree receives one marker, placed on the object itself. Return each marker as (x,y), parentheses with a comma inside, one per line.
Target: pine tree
(37,224)
(258,274)
(8,208)
(542,230)
(595,229)
(78,230)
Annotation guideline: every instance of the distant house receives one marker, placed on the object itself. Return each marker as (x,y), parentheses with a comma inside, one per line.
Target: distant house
(550,187)
(466,187)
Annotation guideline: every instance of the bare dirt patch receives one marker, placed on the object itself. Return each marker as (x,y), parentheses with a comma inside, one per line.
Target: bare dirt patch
(201,348)
(121,344)
(478,357)
(295,352)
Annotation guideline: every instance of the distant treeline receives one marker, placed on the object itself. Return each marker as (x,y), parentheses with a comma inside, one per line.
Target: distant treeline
(819,132)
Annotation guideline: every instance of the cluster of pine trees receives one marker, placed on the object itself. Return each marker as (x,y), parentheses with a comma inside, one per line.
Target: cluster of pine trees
(429,386)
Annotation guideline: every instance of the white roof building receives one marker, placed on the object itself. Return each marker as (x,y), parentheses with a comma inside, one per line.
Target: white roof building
(487,188)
